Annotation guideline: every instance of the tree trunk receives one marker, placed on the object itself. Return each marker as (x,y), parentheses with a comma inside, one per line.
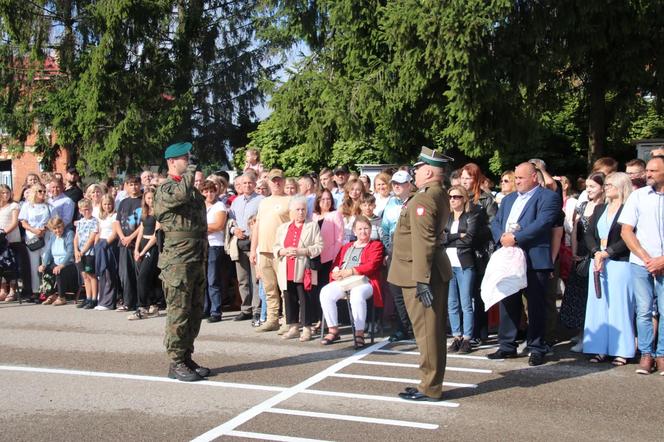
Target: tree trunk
(597,116)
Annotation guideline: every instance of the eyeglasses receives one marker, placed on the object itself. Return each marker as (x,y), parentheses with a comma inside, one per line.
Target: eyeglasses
(41,191)
(505,181)
(456,197)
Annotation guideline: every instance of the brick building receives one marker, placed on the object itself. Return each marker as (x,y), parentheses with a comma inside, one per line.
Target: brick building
(14,167)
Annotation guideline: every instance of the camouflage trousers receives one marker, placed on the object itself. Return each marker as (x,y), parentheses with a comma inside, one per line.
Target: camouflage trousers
(184,287)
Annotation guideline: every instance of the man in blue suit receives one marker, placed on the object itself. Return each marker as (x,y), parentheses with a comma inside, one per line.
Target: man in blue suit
(524,220)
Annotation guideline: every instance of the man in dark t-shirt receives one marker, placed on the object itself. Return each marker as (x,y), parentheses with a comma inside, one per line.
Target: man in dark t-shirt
(126,225)
(72,178)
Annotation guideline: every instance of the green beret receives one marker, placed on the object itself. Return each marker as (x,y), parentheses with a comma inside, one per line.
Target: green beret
(177,150)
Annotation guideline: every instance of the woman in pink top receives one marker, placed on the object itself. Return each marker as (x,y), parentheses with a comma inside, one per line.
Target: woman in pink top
(331,224)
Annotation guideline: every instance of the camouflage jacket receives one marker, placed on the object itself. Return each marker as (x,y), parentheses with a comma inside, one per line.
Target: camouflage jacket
(180,209)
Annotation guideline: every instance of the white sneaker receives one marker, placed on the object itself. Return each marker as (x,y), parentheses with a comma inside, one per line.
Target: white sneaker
(577,348)
(101,308)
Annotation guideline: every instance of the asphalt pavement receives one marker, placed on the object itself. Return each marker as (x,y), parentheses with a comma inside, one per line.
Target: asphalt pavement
(72,374)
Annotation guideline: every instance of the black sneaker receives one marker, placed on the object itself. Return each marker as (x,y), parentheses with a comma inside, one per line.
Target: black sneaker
(83,304)
(181,372)
(90,304)
(455,345)
(475,342)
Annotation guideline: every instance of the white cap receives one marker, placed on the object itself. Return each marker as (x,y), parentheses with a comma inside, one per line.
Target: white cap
(401,177)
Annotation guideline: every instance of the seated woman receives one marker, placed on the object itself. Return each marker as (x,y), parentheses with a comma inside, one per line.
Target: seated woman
(363,256)
(296,242)
(58,260)
(609,323)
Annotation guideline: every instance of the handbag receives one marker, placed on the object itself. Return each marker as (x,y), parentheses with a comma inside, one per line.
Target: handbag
(351,282)
(35,243)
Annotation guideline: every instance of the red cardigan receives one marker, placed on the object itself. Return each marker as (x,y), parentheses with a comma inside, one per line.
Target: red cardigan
(371,263)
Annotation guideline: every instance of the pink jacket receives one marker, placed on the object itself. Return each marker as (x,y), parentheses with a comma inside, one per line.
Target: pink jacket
(332,232)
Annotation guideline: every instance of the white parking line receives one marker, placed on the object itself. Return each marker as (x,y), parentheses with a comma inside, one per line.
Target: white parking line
(371,397)
(453,356)
(135,377)
(401,380)
(398,364)
(254,411)
(345,417)
(263,436)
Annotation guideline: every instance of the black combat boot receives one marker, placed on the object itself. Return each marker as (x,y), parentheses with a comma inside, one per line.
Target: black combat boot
(202,371)
(181,372)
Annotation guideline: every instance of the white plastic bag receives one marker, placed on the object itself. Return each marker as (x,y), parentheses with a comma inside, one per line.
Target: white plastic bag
(505,275)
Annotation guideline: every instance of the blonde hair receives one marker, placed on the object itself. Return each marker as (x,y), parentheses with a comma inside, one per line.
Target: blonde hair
(102,213)
(55,222)
(622,183)
(32,193)
(84,203)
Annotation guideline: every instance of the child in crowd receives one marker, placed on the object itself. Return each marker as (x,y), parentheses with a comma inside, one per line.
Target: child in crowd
(106,255)
(253,161)
(87,229)
(367,207)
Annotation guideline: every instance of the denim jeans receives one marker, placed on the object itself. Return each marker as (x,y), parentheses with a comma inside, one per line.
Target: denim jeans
(213,292)
(646,288)
(263,297)
(460,301)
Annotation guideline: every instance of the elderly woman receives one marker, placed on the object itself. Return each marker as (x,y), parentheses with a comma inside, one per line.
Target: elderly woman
(58,260)
(34,215)
(296,243)
(609,326)
(363,257)
(461,233)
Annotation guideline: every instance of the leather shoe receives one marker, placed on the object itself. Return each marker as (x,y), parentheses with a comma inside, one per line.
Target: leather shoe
(411,395)
(213,319)
(536,359)
(243,316)
(180,371)
(500,354)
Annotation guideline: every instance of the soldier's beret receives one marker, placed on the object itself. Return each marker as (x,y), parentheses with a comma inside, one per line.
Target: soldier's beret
(432,158)
(177,150)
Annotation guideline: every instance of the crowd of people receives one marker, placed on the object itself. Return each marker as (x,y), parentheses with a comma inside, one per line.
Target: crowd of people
(292,247)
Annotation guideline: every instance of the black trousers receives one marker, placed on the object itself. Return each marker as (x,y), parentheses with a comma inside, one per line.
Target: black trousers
(127,271)
(147,279)
(66,280)
(510,314)
(299,304)
(23,261)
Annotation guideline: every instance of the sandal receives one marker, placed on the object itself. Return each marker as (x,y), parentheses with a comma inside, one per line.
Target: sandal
(619,361)
(359,341)
(598,359)
(330,338)
(122,308)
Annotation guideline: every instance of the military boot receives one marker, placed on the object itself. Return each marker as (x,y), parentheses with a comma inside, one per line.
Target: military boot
(202,371)
(181,372)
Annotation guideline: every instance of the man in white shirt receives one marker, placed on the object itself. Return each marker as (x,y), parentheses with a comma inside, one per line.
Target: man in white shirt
(642,220)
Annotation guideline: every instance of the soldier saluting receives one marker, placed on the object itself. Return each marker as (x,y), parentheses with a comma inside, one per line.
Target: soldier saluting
(421,268)
(180,209)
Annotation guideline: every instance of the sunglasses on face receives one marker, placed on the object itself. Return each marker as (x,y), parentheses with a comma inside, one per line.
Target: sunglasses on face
(456,197)
(505,181)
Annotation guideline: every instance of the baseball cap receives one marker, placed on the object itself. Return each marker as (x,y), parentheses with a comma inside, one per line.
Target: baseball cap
(401,177)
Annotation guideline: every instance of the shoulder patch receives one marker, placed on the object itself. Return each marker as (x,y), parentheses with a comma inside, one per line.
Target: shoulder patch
(420,211)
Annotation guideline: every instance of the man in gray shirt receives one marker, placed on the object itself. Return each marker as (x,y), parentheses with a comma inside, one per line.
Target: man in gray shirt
(244,207)
(642,220)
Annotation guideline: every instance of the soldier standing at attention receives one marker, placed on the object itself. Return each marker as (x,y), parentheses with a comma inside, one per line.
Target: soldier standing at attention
(180,209)
(421,268)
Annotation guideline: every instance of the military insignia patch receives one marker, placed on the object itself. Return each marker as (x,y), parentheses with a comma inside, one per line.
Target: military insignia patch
(420,211)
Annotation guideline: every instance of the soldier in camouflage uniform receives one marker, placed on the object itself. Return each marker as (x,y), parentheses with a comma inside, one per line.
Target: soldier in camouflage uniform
(180,209)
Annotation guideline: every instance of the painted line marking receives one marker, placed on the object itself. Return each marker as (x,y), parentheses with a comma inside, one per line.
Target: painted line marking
(263,436)
(345,417)
(134,377)
(412,341)
(398,364)
(477,358)
(371,397)
(401,380)
(254,411)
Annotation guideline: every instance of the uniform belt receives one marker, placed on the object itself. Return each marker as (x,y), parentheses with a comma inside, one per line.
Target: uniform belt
(184,235)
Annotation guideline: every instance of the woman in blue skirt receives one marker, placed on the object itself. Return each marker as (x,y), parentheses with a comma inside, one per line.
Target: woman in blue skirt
(609,324)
